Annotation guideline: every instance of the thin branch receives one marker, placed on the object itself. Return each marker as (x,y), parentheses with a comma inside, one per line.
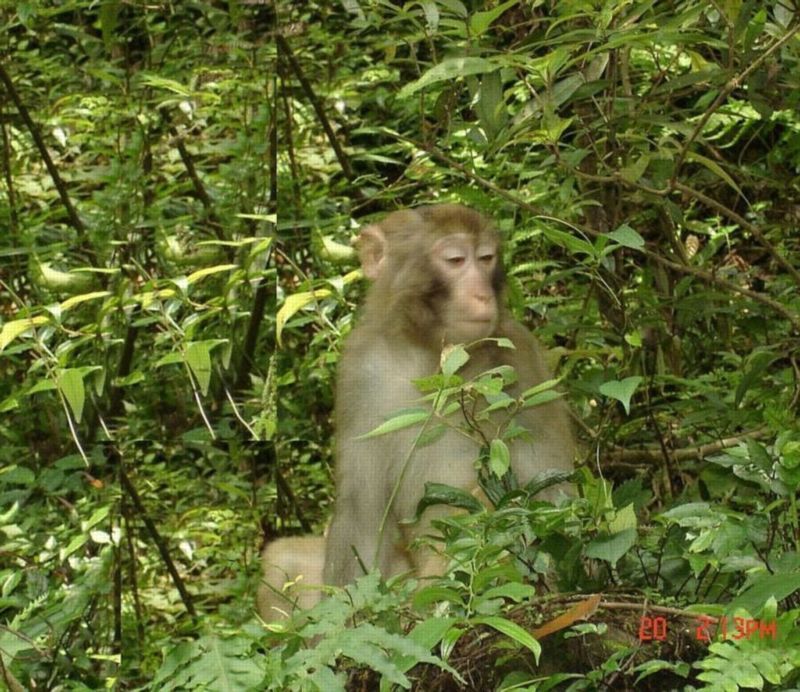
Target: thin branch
(685,453)
(744,223)
(197,184)
(161,544)
(264,289)
(72,215)
(705,199)
(316,104)
(714,280)
(8,678)
(10,190)
(726,91)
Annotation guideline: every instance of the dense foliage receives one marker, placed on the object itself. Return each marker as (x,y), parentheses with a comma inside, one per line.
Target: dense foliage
(180,184)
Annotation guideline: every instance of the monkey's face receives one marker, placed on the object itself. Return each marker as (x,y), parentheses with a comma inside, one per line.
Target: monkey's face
(467,266)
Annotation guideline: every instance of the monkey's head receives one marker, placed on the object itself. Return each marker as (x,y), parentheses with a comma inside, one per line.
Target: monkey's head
(437,273)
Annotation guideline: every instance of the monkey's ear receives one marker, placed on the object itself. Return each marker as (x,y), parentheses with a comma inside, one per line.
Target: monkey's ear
(371,246)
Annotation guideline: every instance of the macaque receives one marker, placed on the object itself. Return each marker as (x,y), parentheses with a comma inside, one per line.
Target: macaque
(437,279)
(291,576)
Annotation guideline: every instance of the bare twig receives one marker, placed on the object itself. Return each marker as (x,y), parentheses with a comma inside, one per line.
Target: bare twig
(197,184)
(72,215)
(161,544)
(344,162)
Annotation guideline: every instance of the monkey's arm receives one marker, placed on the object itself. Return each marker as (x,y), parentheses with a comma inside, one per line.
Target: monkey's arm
(362,496)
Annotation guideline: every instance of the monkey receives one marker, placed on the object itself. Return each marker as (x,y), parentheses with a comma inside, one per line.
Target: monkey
(437,278)
(291,576)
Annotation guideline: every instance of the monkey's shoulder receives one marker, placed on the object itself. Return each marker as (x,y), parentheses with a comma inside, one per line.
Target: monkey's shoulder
(375,355)
(376,378)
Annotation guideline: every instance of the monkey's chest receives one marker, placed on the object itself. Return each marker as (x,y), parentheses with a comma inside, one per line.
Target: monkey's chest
(449,460)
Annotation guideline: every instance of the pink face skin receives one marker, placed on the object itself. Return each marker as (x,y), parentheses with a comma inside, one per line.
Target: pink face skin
(466,266)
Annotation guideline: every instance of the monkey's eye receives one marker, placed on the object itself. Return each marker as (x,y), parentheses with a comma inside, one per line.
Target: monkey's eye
(456,260)
(486,259)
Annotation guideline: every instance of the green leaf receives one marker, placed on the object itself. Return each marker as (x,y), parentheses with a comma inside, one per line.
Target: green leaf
(70,384)
(74,545)
(570,242)
(758,455)
(555,126)
(293,304)
(200,274)
(454,357)
(541,387)
(429,632)
(97,516)
(625,518)
(715,168)
(488,386)
(456,7)
(198,358)
(649,668)
(169,359)
(431,12)
(547,479)
(621,390)
(164,84)
(481,21)
(368,645)
(757,365)
(109,16)
(690,514)
(491,105)
(504,342)
(447,70)
(625,235)
(611,548)
(435,594)
(16,475)
(83,298)
(441,494)
(42,386)
(499,458)
(513,591)
(764,586)
(542,398)
(11,330)
(398,422)
(513,631)
(500,401)
(634,171)
(331,250)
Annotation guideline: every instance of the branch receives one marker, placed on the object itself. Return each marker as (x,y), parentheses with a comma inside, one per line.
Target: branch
(72,215)
(316,104)
(714,280)
(684,453)
(726,91)
(161,544)
(744,223)
(199,188)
